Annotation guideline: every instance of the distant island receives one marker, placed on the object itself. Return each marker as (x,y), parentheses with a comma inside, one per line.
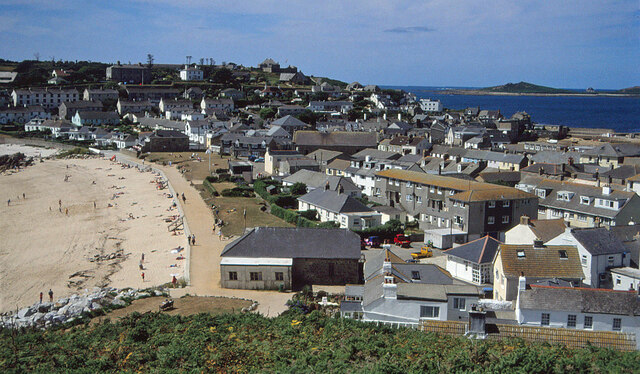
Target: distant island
(530,89)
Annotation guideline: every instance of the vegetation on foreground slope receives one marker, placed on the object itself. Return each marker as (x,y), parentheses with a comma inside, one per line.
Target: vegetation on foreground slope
(289,343)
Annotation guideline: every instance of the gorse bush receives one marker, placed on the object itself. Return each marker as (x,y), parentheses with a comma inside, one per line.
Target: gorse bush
(293,342)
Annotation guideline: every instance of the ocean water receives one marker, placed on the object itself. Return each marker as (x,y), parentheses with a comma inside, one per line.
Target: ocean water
(621,114)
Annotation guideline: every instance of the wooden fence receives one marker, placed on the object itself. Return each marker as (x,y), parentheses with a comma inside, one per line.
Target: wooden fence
(569,337)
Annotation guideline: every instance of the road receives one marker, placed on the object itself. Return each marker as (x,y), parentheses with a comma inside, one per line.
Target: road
(205,254)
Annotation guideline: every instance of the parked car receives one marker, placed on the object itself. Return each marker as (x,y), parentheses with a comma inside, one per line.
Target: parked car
(425,252)
(373,241)
(402,240)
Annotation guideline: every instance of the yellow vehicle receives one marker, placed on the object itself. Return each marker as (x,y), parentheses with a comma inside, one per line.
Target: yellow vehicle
(425,252)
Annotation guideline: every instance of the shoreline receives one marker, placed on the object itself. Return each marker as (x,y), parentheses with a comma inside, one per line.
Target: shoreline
(567,94)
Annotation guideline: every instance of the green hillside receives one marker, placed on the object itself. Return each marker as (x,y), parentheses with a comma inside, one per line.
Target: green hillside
(524,87)
(630,91)
(290,343)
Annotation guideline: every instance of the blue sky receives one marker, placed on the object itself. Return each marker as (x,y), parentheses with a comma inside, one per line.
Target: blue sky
(570,44)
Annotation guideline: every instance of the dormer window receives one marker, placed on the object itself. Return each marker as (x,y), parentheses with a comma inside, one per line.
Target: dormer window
(541,193)
(520,254)
(415,275)
(563,254)
(585,200)
(492,204)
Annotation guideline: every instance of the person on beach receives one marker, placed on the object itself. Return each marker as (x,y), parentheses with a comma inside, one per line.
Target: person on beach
(142,258)
(193,239)
(184,199)
(220,234)
(189,239)
(41,294)
(142,276)
(174,281)
(24,196)
(94,205)
(50,295)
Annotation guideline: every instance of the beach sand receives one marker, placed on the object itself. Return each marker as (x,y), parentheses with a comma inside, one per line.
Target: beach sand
(45,248)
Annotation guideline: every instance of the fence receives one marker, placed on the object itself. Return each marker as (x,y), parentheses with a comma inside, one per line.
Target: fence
(443,327)
(569,337)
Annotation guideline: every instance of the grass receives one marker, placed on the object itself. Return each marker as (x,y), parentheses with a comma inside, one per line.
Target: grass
(230,209)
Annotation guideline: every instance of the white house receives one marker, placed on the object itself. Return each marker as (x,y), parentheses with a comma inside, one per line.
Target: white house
(341,208)
(625,279)
(191,74)
(48,98)
(599,251)
(428,105)
(473,262)
(579,308)
(531,229)
(401,293)
(217,104)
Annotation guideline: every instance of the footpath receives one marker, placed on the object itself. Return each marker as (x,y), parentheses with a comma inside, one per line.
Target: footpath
(204,259)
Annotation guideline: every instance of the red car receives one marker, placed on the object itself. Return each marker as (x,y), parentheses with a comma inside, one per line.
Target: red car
(402,240)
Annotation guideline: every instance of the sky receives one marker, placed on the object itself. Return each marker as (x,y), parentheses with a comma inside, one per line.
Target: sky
(565,44)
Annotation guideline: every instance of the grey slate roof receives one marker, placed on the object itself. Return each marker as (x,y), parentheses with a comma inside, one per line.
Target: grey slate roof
(479,251)
(583,300)
(315,179)
(295,242)
(334,201)
(288,121)
(599,241)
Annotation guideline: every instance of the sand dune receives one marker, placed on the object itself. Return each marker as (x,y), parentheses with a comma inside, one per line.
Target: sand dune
(42,246)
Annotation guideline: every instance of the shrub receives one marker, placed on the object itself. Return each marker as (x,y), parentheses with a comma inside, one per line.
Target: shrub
(299,188)
(238,192)
(386,231)
(309,214)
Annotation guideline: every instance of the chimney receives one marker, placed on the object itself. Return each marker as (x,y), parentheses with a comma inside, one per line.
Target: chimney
(326,186)
(606,190)
(399,116)
(538,244)
(524,220)
(341,189)
(522,282)
(365,116)
(389,288)
(384,116)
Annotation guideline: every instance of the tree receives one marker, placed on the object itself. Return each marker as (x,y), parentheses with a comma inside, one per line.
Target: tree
(308,117)
(149,60)
(37,56)
(222,75)
(299,188)
(267,113)
(201,61)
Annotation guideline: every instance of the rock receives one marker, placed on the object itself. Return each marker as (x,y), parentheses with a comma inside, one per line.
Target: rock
(158,293)
(141,295)
(118,302)
(26,312)
(95,306)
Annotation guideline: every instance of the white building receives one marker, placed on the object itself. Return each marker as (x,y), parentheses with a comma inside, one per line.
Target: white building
(191,74)
(579,308)
(400,293)
(48,98)
(599,250)
(428,105)
(531,229)
(341,208)
(473,262)
(625,279)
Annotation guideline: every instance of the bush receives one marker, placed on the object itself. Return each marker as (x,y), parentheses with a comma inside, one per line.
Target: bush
(209,187)
(299,188)
(386,231)
(310,214)
(238,192)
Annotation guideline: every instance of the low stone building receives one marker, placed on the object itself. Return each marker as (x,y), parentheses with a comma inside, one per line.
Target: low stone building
(289,258)
(167,141)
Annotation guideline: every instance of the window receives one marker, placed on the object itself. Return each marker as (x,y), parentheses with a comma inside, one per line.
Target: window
(584,260)
(544,320)
(610,260)
(618,281)
(588,322)
(415,275)
(255,276)
(409,197)
(419,199)
(505,219)
(585,200)
(233,276)
(459,303)
(563,254)
(492,204)
(521,254)
(491,220)
(582,217)
(429,311)
(617,324)
(506,203)
(571,320)
(279,276)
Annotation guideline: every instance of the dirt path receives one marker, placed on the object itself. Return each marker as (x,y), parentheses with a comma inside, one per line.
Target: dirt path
(205,255)
(184,306)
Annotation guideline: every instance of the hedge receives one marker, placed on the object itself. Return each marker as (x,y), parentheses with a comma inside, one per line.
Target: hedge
(209,187)
(386,231)
(238,192)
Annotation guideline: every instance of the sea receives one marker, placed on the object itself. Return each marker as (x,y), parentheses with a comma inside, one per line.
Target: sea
(621,114)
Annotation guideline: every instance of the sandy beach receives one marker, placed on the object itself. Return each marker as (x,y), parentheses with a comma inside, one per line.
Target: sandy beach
(50,239)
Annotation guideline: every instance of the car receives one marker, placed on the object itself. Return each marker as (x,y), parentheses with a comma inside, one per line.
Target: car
(373,241)
(259,159)
(425,252)
(402,240)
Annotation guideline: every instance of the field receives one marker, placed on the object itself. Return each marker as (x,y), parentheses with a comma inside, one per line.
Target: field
(230,209)
(290,343)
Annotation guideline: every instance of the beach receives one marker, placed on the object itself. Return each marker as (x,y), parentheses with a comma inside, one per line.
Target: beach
(56,238)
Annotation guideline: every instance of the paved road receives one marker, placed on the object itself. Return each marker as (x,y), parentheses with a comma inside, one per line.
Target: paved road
(205,255)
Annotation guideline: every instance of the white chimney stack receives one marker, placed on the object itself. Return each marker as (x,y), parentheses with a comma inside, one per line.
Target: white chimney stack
(606,190)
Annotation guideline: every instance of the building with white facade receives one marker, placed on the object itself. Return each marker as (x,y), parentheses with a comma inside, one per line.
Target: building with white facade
(45,97)
(473,262)
(341,208)
(191,74)
(428,105)
(625,279)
